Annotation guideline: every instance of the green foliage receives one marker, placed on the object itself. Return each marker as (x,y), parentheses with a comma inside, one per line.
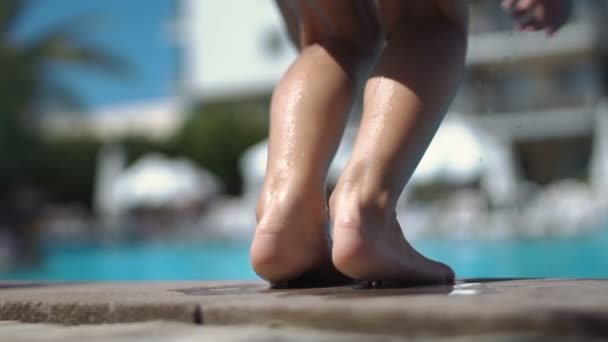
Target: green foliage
(136,146)
(9,13)
(216,135)
(24,156)
(65,168)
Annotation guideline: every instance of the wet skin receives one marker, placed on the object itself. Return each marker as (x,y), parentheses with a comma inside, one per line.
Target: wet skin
(419,63)
(410,57)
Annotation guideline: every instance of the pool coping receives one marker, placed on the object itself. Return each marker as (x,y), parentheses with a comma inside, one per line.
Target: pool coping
(573,307)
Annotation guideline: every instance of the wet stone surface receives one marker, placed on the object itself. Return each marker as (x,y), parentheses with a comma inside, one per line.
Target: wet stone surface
(11,331)
(472,308)
(462,287)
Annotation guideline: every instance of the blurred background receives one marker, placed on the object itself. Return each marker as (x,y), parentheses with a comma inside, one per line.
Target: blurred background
(133,143)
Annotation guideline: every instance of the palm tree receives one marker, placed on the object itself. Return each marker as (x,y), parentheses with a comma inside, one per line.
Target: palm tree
(24,88)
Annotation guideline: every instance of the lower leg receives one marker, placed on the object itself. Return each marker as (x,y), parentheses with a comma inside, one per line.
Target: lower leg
(308,114)
(404,102)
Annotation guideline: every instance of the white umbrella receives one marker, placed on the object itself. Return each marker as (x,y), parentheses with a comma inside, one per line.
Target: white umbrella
(157,181)
(252,165)
(253,162)
(455,154)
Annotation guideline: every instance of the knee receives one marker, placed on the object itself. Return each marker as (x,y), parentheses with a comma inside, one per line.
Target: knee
(351,54)
(353,45)
(355,58)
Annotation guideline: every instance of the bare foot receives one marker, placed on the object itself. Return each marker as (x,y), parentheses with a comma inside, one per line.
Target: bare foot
(369,245)
(290,247)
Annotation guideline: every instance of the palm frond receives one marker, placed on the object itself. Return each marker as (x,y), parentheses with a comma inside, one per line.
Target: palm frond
(60,95)
(10,12)
(24,65)
(62,46)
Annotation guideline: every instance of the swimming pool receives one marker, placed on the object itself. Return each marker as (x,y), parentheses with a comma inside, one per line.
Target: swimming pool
(584,256)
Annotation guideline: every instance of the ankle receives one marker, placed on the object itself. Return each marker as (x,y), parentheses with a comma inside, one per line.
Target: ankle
(285,205)
(356,210)
(356,200)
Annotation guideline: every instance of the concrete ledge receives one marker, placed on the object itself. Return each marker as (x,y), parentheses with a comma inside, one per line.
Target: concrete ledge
(542,307)
(180,332)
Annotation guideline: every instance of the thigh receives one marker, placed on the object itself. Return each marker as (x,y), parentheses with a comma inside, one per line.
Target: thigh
(455,11)
(394,12)
(291,17)
(314,21)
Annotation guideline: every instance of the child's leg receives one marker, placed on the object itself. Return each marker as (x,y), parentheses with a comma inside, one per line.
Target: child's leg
(404,102)
(308,114)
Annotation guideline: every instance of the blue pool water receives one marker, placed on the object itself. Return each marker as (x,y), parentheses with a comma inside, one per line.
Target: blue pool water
(584,256)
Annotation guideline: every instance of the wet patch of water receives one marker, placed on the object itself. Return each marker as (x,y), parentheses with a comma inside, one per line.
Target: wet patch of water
(463,287)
